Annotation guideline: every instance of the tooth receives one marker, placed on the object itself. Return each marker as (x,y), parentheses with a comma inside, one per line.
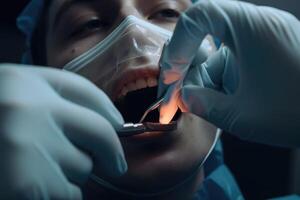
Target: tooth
(131,87)
(151,82)
(124,91)
(141,83)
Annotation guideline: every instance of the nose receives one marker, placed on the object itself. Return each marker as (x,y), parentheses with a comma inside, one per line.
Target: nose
(139,39)
(129,8)
(139,44)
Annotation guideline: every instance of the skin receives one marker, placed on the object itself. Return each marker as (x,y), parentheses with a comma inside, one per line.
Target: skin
(152,164)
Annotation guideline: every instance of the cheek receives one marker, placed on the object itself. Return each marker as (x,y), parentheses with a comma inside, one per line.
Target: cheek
(60,58)
(168,26)
(60,53)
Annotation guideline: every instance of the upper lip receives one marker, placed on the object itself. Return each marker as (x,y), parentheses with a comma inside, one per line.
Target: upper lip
(130,75)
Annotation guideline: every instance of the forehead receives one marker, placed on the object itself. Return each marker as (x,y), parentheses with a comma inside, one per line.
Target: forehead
(58,3)
(59,6)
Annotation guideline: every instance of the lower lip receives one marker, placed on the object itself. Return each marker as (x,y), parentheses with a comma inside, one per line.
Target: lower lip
(160,133)
(153,136)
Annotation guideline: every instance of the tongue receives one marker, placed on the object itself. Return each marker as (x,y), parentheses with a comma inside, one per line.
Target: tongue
(135,103)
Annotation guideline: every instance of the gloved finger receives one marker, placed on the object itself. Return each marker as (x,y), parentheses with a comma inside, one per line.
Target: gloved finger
(197,75)
(75,192)
(169,106)
(66,191)
(94,134)
(162,87)
(211,105)
(214,101)
(75,163)
(201,56)
(48,183)
(211,71)
(59,187)
(81,91)
(225,20)
(219,72)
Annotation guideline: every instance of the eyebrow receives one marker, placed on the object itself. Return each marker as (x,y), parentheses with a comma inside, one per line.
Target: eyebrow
(65,6)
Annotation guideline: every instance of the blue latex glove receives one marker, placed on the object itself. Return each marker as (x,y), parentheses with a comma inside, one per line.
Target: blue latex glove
(219,183)
(256,76)
(54,127)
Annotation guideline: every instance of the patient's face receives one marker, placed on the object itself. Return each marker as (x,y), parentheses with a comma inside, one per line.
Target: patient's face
(157,160)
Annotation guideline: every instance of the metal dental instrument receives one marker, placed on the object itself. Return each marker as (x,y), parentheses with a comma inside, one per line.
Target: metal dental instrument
(151,108)
(130,129)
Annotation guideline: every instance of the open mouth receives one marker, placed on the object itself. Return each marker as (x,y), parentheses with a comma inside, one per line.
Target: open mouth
(133,105)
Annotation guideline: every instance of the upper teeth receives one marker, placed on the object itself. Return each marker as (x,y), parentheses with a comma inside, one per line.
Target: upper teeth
(138,84)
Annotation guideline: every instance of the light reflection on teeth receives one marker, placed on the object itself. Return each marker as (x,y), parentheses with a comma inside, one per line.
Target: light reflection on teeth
(138,84)
(141,83)
(124,91)
(151,82)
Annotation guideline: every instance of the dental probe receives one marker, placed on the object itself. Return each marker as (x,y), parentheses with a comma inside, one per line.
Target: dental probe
(130,129)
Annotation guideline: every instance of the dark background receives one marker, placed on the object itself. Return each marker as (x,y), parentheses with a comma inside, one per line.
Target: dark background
(261,171)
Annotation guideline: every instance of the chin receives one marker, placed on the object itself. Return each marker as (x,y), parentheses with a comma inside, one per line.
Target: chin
(160,163)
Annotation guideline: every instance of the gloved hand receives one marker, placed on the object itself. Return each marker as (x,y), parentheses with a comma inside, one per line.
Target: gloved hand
(54,127)
(256,76)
